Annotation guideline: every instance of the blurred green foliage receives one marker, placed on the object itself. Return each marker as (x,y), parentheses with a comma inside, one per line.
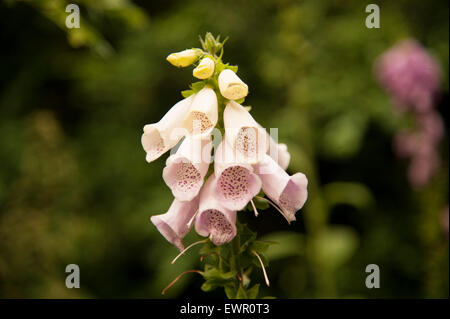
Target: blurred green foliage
(75,188)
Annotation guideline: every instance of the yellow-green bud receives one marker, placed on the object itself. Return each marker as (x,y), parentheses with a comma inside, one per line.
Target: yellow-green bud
(184,58)
(205,69)
(231,86)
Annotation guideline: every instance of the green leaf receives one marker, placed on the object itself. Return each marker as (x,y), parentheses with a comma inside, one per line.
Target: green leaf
(252,293)
(197,86)
(233,68)
(230,291)
(215,277)
(222,66)
(259,203)
(208,286)
(187,93)
(261,246)
(241,293)
(219,67)
(208,248)
(247,236)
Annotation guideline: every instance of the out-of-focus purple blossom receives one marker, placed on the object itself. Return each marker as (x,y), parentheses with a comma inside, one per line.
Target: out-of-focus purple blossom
(421,147)
(422,169)
(432,125)
(410,75)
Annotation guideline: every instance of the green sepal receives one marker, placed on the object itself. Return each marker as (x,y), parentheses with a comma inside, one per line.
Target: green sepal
(260,246)
(215,277)
(208,248)
(241,293)
(252,293)
(197,86)
(247,236)
(187,93)
(230,291)
(259,203)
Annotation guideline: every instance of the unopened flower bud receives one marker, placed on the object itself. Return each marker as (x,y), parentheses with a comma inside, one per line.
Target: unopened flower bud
(184,58)
(231,86)
(205,69)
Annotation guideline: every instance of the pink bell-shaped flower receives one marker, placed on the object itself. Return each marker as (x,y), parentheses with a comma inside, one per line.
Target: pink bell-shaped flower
(203,113)
(174,224)
(186,169)
(236,184)
(288,192)
(213,219)
(160,137)
(245,136)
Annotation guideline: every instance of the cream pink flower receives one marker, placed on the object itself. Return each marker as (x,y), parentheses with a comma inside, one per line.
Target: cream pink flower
(245,136)
(203,113)
(213,219)
(236,184)
(174,224)
(186,169)
(288,192)
(159,137)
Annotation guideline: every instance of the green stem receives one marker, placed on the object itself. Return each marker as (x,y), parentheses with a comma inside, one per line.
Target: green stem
(235,247)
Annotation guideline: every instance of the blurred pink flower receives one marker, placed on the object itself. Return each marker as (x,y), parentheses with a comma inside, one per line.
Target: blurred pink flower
(421,147)
(410,74)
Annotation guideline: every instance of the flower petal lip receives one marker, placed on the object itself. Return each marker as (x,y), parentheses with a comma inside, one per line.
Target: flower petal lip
(186,169)
(159,137)
(236,184)
(203,113)
(205,69)
(288,192)
(173,225)
(244,134)
(284,157)
(213,219)
(184,58)
(278,151)
(231,86)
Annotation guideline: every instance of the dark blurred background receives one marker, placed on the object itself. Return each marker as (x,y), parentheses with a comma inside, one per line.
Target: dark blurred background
(75,187)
